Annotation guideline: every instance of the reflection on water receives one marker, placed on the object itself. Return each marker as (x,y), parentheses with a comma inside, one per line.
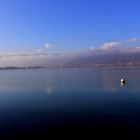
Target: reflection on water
(56,98)
(49,89)
(122,85)
(102,79)
(74,81)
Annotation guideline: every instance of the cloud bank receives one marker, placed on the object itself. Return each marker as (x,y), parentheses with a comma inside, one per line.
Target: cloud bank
(109,45)
(56,59)
(132,40)
(43,58)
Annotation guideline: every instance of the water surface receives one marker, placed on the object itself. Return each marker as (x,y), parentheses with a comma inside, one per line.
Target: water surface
(50,100)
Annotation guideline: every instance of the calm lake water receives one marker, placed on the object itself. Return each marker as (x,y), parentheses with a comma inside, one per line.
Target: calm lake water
(46,101)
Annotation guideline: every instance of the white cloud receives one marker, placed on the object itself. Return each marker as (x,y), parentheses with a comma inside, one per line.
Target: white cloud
(109,45)
(48,45)
(92,48)
(28,59)
(132,40)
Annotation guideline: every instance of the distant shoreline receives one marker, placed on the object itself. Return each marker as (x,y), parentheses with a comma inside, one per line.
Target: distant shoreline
(71,66)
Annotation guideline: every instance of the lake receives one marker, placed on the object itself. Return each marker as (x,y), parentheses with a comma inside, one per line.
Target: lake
(49,101)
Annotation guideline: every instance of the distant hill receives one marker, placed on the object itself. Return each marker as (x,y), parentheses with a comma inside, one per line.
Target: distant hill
(76,59)
(106,59)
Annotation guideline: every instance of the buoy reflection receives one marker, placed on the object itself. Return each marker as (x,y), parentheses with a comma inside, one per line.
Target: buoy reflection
(122,84)
(49,89)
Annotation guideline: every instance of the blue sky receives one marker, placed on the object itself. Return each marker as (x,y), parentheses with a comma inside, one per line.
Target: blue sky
(68,25)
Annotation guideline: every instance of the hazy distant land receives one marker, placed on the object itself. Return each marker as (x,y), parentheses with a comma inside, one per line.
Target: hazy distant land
(111,59)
